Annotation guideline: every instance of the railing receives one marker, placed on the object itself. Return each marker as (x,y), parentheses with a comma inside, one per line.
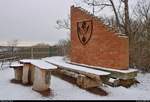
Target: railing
(7,61)
(7,54)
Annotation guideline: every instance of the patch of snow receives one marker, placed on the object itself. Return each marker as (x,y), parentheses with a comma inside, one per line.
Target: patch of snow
(16,64)
(42,64)
(112,80)
(65,91)
(9,91)
(26,61)
(61,62)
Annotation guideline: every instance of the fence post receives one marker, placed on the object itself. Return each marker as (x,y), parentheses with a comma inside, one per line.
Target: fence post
(49,51)
(32,52)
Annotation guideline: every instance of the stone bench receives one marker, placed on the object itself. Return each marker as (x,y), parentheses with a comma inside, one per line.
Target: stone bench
(42,75)
(86,77)
(118,77)
(18,69)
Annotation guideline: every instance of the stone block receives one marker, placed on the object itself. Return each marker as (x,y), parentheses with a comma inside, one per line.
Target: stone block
(85,82)
(41,80)
(18,74)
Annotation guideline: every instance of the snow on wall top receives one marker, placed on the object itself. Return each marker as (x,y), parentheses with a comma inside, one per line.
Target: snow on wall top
(59,61)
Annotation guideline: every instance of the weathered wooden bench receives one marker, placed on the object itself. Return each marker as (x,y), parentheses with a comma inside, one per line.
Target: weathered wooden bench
(86,77)
(42,75)
(18,69)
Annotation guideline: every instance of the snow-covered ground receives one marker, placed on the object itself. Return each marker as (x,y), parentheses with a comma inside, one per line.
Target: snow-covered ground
(63,90)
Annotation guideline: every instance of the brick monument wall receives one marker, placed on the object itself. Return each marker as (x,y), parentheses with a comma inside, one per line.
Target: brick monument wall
(105,48)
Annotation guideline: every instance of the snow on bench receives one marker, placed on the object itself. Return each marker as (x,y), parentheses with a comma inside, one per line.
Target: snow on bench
(58,61)
(85,77)
(38,73)
(16,65)
(107,69)
(38,63)
(28,71)
(43,65)
(42,75)
(26,61)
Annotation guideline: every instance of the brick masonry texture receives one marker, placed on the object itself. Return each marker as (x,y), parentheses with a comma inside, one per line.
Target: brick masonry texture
(105,48)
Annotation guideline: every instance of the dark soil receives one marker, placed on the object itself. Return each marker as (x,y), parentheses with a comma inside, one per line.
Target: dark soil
(20,82)
(15,81)
(45,93)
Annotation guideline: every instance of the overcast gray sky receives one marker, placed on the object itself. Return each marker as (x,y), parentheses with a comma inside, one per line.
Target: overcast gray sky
(32,20)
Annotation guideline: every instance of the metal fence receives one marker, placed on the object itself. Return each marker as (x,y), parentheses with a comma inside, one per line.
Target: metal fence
(28,52)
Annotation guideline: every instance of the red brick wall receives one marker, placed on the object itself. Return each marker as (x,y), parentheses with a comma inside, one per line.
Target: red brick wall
(105,48)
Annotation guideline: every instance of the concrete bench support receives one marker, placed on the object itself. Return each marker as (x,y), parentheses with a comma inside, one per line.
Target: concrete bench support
(42,79)
(42,75)
(18,69)
(25,74)
(28,72)
(18,73)
(85,82)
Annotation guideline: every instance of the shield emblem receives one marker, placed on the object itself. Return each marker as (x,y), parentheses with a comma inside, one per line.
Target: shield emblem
(84,30)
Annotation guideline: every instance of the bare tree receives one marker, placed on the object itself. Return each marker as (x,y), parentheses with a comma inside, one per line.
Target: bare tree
(12,42)
(143,12)
(11,46)
(101,4)
(63,24)
(64,47)
(127,19)
(140,28)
